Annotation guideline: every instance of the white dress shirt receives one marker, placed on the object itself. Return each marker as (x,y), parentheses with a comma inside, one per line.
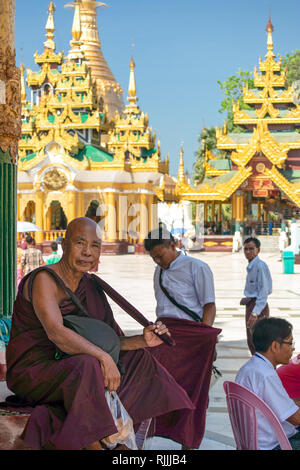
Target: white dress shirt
(190,282)
(258,283)
(260,376)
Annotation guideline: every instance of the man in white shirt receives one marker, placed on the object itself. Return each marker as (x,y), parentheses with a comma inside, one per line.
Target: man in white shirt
(258,287)
(273,341)
(184,291)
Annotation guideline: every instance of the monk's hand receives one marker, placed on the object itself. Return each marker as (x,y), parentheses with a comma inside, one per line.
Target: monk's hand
(111,374)
(150,338)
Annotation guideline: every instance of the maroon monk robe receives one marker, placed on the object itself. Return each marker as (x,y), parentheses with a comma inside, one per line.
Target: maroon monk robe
(70,409)
(190,363)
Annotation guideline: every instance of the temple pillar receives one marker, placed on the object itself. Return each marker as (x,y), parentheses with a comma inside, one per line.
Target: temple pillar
(10,133)
(39,215)
(220,212)
(205,211)
(48,224)
(143,201)
(212,214)
(80,204)
(122,217)
(153,212)
(72,206)
(111,217)
(239,209)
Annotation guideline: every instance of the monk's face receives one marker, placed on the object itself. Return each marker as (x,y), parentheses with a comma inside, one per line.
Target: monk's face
(82,247)
(163,255)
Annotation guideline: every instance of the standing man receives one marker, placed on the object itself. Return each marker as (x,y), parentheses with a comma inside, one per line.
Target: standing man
(184,291)
(31,258)
(258,287)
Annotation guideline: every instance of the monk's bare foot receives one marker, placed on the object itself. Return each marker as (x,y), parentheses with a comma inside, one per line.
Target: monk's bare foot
(121,447)
(186,448)
(94,446)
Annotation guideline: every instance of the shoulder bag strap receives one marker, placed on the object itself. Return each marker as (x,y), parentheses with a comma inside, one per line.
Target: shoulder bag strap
(127,307)
(189,312)
(74,298)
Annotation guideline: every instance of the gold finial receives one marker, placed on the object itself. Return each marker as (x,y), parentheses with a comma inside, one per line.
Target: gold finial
(181,175)
(76,28)
(131,87)
(75,52)
(270,29)
(50,28)
(23,87)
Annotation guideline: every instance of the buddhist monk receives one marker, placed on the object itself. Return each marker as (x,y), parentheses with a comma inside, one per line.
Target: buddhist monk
(70,410)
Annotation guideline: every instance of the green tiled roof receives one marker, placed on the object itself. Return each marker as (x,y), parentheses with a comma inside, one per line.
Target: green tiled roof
(28,157)
(95,154)
(293,176)
(148,153)
(280,136)
(220,179)
(221,164)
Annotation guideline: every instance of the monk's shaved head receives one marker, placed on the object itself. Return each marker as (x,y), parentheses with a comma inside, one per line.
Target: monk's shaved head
(81,223)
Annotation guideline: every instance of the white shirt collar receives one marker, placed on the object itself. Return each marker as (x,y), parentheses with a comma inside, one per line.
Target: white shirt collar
(264,358)
(252,263)
(173,263)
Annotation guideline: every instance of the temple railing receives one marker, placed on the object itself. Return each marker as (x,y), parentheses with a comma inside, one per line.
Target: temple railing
(51,235)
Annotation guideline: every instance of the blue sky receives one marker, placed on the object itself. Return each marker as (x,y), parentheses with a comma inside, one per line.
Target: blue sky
(181,48)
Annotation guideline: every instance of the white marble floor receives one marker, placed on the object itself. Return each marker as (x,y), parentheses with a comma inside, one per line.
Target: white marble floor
(132,275)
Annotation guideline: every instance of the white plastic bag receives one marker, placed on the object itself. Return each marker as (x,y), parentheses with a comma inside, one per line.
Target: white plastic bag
(123,422)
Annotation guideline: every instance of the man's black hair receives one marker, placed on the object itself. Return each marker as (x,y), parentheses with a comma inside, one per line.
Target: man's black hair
(158,236)
(267,330)
(54,246)
(254,240)
(29,240)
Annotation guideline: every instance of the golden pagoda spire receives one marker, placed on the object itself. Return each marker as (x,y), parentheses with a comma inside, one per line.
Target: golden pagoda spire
(50,28)
(132,88)
(107,86)
(75,43)
(181,175)
(23,87)
(270,29)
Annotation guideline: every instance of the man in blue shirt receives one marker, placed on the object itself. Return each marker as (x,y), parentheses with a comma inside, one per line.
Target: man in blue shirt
(258,287)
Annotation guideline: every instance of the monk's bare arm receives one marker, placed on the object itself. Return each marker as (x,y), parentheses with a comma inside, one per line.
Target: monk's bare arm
(46,297)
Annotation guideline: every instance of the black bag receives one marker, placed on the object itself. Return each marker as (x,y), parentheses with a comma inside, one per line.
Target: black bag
(95,331)
(92,329)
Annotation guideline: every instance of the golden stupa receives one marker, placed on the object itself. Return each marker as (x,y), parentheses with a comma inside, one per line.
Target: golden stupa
(74,158)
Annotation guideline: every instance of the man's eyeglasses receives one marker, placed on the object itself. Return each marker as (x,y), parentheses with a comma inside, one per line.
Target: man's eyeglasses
(291,343)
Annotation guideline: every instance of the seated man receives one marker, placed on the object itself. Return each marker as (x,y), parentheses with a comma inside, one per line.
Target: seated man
(273,340)
(68,395)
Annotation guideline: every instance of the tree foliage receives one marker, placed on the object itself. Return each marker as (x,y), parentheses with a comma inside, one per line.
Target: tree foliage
(291,61)
(208,141)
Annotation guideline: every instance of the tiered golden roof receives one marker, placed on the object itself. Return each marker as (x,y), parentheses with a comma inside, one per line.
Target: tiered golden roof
(67,101)
(132,136)
(269,132)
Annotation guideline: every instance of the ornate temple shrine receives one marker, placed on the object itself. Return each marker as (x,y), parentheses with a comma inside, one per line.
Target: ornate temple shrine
(259,173)
(82,152)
